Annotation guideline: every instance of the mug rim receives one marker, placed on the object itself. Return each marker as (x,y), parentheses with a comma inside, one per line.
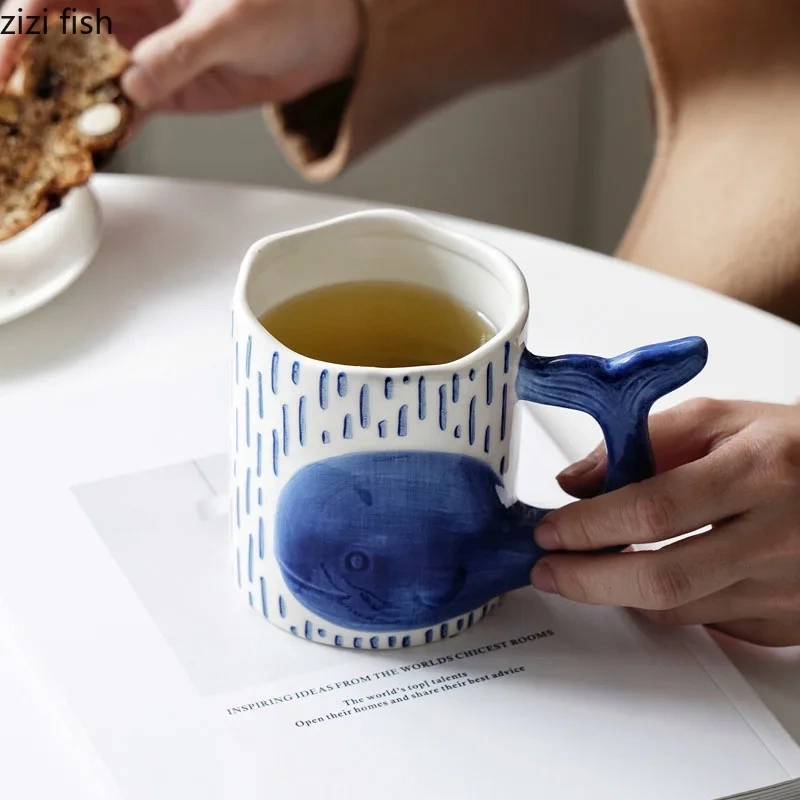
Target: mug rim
(501,264)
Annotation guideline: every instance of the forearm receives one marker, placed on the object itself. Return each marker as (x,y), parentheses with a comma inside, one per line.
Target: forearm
(440,48)
(420,54)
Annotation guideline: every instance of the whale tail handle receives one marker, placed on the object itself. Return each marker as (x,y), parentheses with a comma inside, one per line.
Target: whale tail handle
(618,392)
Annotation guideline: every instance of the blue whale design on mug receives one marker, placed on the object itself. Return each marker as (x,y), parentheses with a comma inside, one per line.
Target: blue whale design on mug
(359,544)
(370,507)
(361,539)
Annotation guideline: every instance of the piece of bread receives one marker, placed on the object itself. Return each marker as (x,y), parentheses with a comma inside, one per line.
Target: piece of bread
(62,115)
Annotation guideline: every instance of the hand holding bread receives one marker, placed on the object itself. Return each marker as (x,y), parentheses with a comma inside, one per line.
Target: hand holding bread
(67,100)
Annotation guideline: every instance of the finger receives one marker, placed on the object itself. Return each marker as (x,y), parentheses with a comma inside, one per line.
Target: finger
(658,580)
(586,478)
(210,92)
(170,58)
(765,632)
(718,486)
(681,434)
(747,599)
(11,46)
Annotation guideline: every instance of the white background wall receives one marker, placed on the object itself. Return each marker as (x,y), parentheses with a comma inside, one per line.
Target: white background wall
(563,156)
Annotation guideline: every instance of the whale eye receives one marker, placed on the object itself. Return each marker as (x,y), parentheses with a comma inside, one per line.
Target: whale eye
(357,562)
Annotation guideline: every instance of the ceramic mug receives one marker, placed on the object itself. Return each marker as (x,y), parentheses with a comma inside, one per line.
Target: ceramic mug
(368,504)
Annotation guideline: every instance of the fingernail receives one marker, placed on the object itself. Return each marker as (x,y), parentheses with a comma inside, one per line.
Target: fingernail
(546,536)
(542,578)
(580,468)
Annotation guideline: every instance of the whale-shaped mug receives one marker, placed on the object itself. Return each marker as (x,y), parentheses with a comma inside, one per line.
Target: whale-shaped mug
(369,506)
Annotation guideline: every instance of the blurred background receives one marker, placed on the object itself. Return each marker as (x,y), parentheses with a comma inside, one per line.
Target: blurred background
(564,156)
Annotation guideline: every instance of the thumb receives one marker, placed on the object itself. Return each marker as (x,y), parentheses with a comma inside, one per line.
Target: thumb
(585,478)
(171,57)
(10,51)
(680,435)
(12,46)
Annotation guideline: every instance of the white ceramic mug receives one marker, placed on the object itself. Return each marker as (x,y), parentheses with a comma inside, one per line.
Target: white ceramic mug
(368,504)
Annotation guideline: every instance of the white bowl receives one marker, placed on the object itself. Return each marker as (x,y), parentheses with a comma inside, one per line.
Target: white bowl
(42,261)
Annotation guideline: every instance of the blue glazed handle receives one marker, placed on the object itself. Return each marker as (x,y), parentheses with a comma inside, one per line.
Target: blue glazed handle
(618,392)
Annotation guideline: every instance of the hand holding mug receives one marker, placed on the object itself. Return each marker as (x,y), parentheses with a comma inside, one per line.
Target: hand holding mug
(732,465)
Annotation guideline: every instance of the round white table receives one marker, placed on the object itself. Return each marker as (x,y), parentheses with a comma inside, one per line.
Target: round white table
(160,287)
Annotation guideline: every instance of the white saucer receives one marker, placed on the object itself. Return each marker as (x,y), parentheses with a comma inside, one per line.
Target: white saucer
(42,261)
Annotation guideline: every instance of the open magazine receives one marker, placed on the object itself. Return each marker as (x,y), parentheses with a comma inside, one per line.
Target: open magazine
(119,598)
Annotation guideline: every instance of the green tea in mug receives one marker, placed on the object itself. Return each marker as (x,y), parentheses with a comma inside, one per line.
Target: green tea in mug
(378,324)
